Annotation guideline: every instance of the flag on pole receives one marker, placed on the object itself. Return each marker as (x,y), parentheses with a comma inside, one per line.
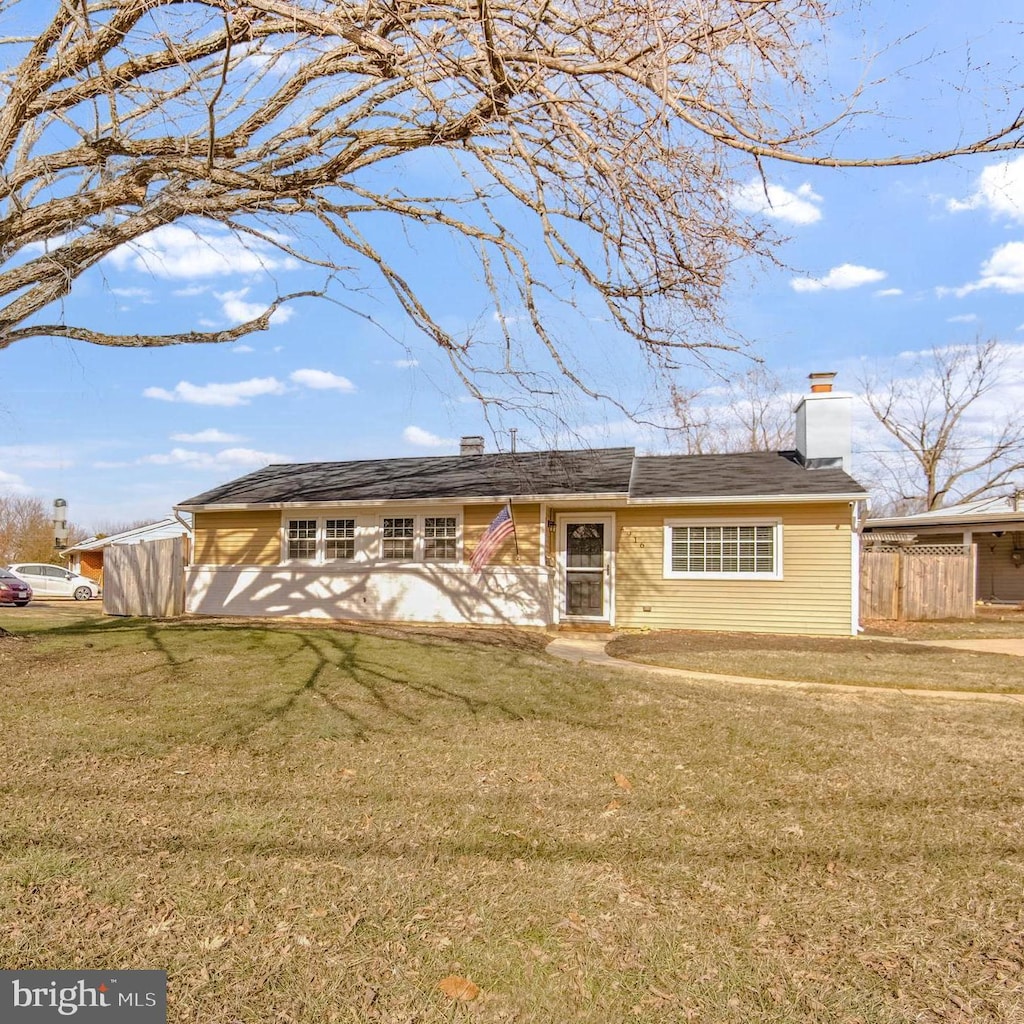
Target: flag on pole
(496,534)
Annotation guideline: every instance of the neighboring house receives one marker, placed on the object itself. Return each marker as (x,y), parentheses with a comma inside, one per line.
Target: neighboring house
(87,558)
(759,541)
(992,527)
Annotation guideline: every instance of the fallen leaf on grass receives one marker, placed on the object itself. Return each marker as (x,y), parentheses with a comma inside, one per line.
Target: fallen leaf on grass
(623,783)
(460,989)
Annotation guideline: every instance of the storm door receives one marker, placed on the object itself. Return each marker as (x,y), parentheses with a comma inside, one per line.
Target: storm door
(586,567)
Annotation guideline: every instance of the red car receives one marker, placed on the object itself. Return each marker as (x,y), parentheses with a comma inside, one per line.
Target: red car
(13,590)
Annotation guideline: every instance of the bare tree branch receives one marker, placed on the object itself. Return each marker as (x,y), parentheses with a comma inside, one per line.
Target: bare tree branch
(952,446)
(616,130)
(749,412)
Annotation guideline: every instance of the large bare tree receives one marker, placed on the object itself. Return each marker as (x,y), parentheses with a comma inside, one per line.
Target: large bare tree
(749,412)
(27,531)
(610,128)
(955,441)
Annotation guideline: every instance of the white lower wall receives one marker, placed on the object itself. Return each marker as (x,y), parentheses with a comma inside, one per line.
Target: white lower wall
(416,593)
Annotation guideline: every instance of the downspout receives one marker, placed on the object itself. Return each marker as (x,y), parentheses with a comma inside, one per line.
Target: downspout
(188,531)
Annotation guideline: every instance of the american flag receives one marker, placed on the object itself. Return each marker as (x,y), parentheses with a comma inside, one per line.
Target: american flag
(501,528)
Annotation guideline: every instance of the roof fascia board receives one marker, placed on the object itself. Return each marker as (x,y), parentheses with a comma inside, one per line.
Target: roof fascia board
(746,499)
(516,499)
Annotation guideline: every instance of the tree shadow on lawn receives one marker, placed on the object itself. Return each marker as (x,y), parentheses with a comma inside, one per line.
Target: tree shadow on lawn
(285,681)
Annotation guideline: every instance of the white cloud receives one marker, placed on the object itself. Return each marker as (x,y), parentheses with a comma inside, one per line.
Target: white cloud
(509,319)
(209,436)
(799,207)
(34,456)
(227,458)
(241,350)
(238,311)
(174,251)
(1003,270)
(404,364)
(237,393)
(280,61)
(885,293)
(425,439)
(131,293)
(322,380)
(1000,190)
(13,484)
(191,290)
(846,275)
(963,318)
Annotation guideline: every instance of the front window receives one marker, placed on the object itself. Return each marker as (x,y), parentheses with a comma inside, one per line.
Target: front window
(741,550)
(368,539)
(302,539)
(339,539)
(440,536)
(399,540)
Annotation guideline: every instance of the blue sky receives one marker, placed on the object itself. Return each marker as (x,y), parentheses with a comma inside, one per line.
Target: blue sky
(876,263)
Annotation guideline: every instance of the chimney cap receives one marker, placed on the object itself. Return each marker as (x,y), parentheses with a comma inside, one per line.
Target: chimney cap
(471,444)
(821,383)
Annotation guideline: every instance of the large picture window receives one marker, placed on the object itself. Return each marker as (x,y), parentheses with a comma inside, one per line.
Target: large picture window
(739,550)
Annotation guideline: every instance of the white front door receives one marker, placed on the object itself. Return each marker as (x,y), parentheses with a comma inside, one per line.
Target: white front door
(586,553)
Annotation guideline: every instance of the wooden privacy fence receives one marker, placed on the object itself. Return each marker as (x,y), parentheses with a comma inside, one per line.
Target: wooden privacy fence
(925,581)
(145,579)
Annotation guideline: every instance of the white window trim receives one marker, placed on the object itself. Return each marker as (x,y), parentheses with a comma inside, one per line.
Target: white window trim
(368,547)
(419,540)
(670,524)
(320,556)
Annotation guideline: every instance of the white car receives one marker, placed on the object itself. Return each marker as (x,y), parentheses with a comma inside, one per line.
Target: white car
(55,581)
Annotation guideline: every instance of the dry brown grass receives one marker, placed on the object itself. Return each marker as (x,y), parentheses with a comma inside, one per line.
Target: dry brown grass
(323,824)
(990,621)
(851,661)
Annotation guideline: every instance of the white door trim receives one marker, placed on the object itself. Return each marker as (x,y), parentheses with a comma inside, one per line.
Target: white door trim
(608,519)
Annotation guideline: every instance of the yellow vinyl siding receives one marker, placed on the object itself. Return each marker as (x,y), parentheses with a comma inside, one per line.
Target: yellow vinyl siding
(237,538)
(814,595)
(476,519)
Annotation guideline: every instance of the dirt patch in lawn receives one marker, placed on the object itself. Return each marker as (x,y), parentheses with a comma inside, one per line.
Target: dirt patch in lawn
(853,661)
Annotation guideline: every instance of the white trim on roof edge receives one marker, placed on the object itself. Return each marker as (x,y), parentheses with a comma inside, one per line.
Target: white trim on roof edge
(522,499)
(741,499)
(494,499)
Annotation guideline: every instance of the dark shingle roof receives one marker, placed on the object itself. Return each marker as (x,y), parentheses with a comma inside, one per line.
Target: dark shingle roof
(735,475)
(605,471)
(601,471)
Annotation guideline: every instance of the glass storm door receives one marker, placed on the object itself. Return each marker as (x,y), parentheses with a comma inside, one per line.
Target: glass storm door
(585,570)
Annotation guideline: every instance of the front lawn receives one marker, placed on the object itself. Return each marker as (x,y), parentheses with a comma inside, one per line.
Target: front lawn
(315,824)
(854,661)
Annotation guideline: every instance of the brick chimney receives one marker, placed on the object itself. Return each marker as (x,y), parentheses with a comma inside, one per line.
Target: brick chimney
(471,444)
(824,426)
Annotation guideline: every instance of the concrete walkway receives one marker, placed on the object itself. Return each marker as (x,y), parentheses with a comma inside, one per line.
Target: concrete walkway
(590,650)
(992,645)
